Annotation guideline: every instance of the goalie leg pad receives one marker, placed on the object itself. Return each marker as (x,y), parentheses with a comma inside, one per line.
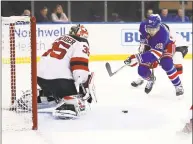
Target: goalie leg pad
(69,107)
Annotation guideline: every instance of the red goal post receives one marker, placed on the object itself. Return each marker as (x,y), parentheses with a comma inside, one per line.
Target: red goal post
(19,72)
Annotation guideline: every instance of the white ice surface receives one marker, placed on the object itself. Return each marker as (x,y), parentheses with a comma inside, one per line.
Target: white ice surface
(151,119)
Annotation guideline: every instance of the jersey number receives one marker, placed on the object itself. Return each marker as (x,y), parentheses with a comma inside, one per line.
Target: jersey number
(56,51)
(86,50)
(59,53)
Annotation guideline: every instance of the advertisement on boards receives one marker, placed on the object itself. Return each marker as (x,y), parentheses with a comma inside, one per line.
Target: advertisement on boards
(131,36)
(104,39)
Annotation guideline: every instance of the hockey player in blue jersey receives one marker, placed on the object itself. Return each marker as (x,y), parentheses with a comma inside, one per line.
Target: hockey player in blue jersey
(157,36)
(180,53)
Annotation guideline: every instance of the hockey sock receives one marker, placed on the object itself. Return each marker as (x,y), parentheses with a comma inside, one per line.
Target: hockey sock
(168,66)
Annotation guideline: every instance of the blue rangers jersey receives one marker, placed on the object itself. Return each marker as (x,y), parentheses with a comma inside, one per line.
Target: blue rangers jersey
(157,43)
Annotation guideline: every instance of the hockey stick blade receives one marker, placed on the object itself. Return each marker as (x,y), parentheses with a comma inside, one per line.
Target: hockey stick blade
(108,67)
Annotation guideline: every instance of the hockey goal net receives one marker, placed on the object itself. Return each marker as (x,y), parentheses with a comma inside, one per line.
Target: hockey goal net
(19,73)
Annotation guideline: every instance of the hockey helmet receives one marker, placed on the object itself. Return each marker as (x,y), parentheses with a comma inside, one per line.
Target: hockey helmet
(79,30)
(152,25)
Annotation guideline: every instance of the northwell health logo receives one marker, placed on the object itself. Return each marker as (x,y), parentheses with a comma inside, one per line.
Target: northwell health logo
(41,32)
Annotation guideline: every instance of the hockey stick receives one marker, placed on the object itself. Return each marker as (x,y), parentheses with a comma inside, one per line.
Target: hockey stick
(109,70)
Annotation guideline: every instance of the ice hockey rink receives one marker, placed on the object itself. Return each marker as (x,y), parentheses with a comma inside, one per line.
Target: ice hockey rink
(151,119)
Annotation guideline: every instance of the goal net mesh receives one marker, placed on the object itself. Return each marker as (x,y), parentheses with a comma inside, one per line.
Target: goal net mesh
(18,75)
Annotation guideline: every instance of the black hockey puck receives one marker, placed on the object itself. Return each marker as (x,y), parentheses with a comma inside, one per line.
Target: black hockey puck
(125,111)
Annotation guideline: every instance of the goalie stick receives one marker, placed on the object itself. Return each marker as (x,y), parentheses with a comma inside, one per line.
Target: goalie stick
(109,70)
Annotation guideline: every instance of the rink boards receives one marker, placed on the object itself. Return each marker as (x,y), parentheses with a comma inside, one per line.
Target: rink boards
(108,41)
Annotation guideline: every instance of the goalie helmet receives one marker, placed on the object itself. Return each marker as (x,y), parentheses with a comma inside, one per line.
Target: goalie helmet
(79,30)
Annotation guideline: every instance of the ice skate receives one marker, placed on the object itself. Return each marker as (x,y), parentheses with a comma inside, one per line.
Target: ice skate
(137,82)
(179,90)
(150,84)
(187,128)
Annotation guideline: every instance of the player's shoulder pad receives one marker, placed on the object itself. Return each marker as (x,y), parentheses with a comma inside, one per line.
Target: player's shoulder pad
(166,26)
(164,29)
(164,33)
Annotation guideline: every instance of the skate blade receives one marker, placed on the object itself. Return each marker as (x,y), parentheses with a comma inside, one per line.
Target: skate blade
(180,97)
(183,134)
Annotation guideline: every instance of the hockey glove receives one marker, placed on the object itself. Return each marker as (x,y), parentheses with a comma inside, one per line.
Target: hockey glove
(143,48)
(131,61)
(154,65)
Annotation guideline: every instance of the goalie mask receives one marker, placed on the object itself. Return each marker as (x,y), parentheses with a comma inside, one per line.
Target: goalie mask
(79,30)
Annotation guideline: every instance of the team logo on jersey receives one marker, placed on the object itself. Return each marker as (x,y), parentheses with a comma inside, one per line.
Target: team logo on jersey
(159,46)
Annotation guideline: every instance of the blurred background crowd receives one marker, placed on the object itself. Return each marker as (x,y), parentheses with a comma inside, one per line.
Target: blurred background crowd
(99,11)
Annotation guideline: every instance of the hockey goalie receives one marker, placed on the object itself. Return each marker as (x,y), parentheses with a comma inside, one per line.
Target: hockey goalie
(63,76)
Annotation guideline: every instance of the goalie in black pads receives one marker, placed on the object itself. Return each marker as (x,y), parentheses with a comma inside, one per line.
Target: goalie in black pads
(64,77)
